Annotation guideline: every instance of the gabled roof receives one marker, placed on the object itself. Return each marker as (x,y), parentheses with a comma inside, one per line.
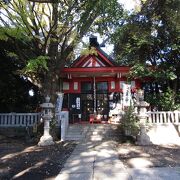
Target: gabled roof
(101,59)
(98,64)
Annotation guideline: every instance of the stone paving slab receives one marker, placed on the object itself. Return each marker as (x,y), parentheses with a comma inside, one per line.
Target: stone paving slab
(98,160)
(103,148)
(113,164)
(88,152)
(80,159)
(82,168)
(73,164)
(109,169)
(111,176)
(75,176)
(105,159)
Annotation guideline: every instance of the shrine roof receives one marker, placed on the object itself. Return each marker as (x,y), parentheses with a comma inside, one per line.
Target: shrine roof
(98,62)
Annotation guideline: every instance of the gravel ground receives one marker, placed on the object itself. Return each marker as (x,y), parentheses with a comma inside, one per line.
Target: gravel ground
(22,160)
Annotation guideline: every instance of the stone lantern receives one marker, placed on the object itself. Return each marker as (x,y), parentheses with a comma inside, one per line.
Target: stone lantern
(140,94)
(142,105)
(47,107)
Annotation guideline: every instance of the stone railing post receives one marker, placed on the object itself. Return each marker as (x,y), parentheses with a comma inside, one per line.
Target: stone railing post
(13,117)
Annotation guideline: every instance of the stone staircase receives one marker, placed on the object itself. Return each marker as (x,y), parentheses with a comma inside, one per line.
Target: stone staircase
(75,132)
(91,132)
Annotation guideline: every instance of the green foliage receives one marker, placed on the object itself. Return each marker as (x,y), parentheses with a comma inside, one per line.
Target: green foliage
(13,32)
(36,64)
(159,73)
(168,101)
(110,14)
(153,100)
(53,30)
(130,122)
(89,51)
(12,55)
(139,70)
(165,101)
(148,40)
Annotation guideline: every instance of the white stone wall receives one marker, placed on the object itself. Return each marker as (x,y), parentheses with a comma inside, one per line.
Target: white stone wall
(163,134)
(160,128)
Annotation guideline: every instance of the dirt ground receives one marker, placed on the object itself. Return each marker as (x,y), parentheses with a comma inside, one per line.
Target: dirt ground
(22,160)
(149,156)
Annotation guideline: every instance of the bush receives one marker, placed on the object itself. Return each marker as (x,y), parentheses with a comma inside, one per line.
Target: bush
(130,123)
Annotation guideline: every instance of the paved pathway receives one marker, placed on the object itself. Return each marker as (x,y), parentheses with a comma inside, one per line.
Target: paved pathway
(95,158)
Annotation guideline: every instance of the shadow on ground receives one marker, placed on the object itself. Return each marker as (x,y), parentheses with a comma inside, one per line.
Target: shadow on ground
(22,160)
(149,156)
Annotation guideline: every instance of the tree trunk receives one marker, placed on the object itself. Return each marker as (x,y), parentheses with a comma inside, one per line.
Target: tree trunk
(51,85)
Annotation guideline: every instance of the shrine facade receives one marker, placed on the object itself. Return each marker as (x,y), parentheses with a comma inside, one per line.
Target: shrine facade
(93,85)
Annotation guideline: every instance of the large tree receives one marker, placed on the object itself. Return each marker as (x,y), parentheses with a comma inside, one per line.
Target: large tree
(52,29)
(151,37)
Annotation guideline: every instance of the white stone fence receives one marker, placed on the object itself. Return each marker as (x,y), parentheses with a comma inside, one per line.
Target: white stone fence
(160,127)
(28,119)
(19,119)
(14,120)
(163,117)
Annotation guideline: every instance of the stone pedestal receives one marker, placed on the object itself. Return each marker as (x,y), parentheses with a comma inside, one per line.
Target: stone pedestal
(46,139)
(143,138)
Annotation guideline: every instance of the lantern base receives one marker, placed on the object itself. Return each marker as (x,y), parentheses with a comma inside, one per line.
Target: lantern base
(46,141)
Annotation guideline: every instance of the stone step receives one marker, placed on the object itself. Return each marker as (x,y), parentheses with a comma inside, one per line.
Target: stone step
(88,132)
(75,135)
(73,138)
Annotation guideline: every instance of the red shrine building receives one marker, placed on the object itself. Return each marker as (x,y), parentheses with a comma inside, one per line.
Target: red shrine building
(93,85)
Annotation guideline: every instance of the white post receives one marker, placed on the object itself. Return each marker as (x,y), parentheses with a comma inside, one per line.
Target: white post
(94,88)
(63,128)
(59,102)
(60,120)
(64,124)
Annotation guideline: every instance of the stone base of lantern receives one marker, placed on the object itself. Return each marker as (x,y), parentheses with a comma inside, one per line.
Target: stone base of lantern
(46,141)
